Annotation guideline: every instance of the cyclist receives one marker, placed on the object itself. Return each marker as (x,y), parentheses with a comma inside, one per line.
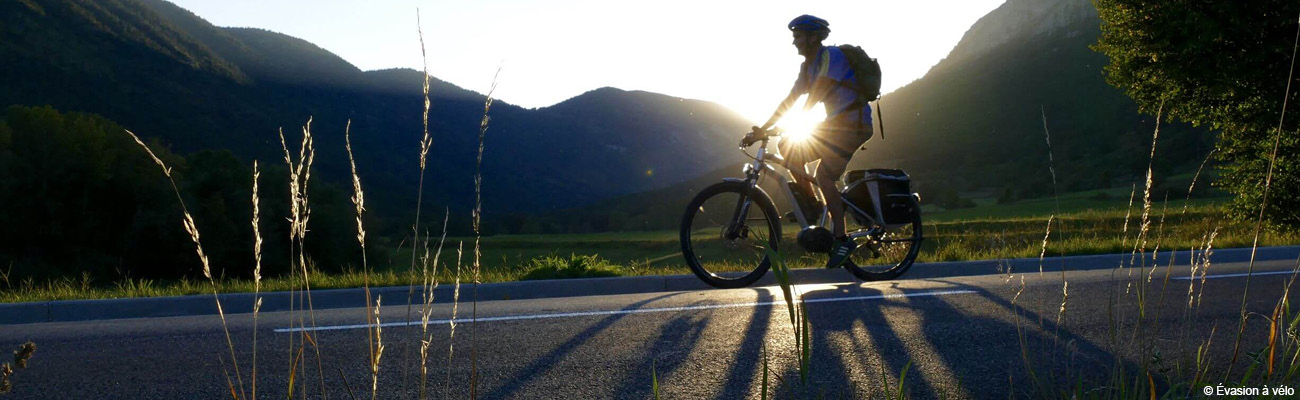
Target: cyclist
(826,77)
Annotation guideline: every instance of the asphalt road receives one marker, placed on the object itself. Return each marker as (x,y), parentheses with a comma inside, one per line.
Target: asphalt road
(966,337)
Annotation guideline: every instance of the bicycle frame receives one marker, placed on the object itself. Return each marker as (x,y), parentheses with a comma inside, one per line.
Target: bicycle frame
(754,171)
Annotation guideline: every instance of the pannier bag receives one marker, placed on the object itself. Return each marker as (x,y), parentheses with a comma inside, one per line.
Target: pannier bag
(884,194)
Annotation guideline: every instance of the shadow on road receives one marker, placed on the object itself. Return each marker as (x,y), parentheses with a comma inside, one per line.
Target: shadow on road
(950,351)
(539,367)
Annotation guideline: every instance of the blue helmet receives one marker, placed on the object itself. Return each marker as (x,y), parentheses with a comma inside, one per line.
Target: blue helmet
(809,23)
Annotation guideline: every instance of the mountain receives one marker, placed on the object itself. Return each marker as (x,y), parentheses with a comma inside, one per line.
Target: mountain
(166,73)
(975,121)
(981,117)
(1018,19)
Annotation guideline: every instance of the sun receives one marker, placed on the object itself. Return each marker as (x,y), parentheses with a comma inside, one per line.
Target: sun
(798,123)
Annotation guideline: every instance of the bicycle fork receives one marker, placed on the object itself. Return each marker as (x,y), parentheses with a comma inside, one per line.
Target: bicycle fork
(736,227)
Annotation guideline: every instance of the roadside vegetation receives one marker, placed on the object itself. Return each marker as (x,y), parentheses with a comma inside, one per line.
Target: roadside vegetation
(508,258)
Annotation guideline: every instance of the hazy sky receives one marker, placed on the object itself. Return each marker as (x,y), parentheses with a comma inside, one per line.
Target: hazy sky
(736,53)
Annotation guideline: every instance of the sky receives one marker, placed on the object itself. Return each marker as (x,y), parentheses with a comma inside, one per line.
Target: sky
(736,53)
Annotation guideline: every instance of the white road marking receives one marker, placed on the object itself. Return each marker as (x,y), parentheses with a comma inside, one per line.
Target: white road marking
(1184,278)
(618,312)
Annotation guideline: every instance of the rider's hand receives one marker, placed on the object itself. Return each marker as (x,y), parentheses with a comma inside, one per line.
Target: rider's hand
(754,135)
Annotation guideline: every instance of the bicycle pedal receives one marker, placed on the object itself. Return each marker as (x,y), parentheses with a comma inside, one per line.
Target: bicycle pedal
(789,217)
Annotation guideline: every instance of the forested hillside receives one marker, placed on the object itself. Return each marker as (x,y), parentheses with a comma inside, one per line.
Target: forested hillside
(981,117)
(212,101)
(167,74)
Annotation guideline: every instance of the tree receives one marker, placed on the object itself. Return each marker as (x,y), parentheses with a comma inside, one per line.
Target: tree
(1222,64)
(81,197)
(77,193)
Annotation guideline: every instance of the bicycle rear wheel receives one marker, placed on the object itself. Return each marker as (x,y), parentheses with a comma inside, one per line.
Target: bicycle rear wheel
(726,233)
(887,252)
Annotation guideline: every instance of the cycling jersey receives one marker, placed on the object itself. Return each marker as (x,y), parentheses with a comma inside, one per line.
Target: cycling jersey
(841,103)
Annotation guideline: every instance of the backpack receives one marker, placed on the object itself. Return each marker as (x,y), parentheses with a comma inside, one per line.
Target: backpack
(866,72)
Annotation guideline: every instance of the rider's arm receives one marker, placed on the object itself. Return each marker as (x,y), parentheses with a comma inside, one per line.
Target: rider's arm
(819,88)
(822,85)
(785,105)
(798,89)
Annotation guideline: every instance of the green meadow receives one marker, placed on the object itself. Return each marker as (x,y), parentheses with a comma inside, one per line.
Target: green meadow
(1088,223)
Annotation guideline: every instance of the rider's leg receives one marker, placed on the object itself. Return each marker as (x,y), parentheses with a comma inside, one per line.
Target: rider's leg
(836,145)
(797,159)
(804,184)
(830,169)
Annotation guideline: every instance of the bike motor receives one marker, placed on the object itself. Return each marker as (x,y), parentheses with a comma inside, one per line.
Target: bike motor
(816,239)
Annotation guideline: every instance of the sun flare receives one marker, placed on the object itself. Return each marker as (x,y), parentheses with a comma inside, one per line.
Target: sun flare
(799,123)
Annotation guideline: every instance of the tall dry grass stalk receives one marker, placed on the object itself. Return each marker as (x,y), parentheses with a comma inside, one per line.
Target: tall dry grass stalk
(1051,160)
(257,273)
(1196,176)
(1201,263)
(193,230)
(1123,235)
(293,234)
(1128,215)
(425,142)
(1138,254)
(359,201)
(451,323)
(477,217)
(1160,235)
(378,351)
(300,215)
(1263,203)
(430,284)
(1047,234)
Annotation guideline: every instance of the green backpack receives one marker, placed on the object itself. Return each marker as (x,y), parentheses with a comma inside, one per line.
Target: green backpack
(866,72)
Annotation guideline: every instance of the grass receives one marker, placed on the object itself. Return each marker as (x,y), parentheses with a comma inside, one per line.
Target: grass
(1101,200)
(517,257)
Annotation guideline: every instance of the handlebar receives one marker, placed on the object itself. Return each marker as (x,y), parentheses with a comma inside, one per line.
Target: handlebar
(757,134)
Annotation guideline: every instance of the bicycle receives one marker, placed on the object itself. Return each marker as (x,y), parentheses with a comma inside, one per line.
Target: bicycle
(730,225)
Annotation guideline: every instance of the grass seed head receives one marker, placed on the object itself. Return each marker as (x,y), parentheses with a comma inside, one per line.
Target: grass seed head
(257,232)
(166,171)
(359,196)
(5,371)
(24,353)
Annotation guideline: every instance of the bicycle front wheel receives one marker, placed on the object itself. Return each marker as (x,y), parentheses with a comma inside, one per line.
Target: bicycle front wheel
(885,253)
(726,233)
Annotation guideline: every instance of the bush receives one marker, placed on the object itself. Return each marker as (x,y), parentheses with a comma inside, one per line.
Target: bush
(576,266)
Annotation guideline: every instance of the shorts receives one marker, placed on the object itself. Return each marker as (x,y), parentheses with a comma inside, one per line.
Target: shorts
(833,144)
